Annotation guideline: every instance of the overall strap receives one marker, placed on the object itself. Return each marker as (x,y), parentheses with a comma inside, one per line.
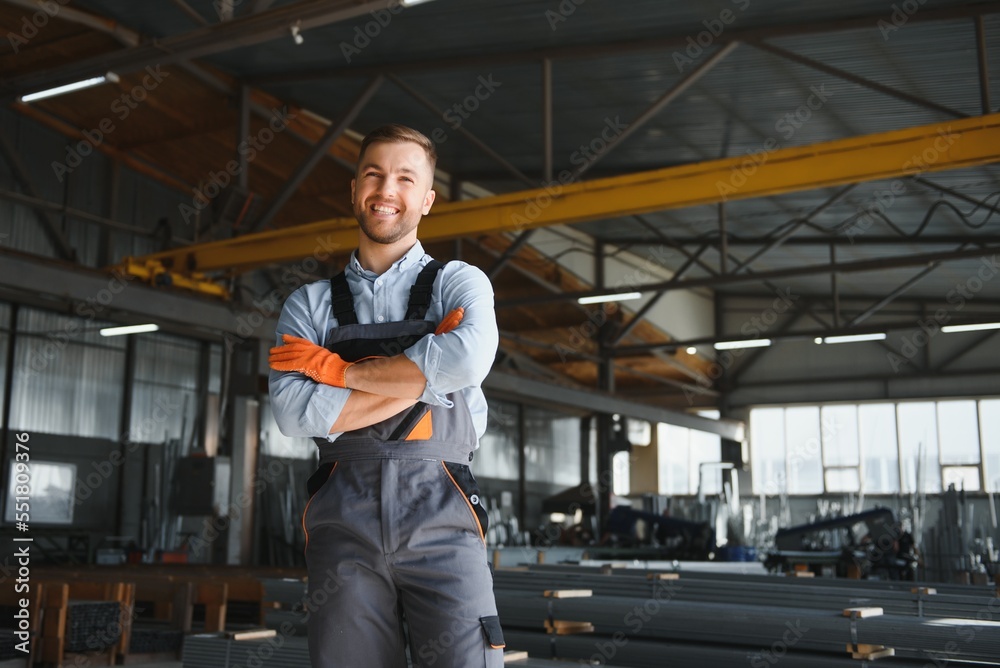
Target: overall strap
(342,301)
(420,293)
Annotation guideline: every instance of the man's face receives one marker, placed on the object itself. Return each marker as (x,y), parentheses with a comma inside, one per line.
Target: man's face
(392,191)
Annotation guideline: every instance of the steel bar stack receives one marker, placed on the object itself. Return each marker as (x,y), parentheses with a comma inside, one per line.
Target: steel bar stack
(641,618)
(210,650)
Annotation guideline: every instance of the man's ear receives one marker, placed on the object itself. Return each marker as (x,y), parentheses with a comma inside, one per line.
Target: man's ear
(428,201)
(354,182)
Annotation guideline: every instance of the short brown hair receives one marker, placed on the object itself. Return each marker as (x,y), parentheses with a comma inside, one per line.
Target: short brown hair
(394,133)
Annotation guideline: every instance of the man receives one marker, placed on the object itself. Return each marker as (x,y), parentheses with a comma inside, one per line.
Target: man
(382,366)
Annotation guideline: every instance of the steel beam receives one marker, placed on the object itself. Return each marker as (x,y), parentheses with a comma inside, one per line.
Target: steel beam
(793,227)
(860,266)
(659,105)
(893,295)
(984,68)
(479,143)
(332,134)
(600,402)
(964,143)
(190,12)
(817,240)
(966,350)
(204,41)
(777,335)
(648,306)
(855,79)
(57,284)
(48,222)
(130,38)
(662,44)
(242,133)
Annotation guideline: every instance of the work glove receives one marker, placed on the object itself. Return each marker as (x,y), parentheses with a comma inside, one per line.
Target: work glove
(307,358)
(450,321)
(316,362)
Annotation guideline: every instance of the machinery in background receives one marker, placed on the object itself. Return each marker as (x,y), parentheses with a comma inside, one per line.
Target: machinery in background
(871,544)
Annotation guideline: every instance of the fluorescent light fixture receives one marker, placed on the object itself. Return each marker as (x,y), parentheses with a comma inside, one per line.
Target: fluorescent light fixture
(69,88)
(620,297)
(410,3)
(951,329)
(691,350)
(129,329)
(749,343)
(854,338)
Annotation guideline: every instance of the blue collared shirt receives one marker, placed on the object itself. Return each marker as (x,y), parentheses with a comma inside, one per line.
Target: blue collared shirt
(453,362)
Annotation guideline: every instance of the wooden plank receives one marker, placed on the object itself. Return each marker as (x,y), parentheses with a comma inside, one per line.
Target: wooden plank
(870,652)
(251,634)
(862,613)
(568,593)
(514,655)
(563,628)
(663,576)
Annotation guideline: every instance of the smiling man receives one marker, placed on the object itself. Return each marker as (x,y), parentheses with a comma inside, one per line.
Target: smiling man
(382,366)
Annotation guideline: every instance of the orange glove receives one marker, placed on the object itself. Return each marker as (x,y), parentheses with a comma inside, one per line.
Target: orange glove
(450,321)
(306,357)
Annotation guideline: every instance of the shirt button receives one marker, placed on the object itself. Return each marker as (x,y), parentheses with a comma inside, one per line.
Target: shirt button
(378,282)
(380,318)
(474,499)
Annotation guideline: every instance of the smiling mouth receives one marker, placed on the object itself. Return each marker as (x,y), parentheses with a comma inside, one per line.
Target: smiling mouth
(384,210)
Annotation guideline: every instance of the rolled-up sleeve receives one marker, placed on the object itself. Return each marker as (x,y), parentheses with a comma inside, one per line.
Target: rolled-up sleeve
(463,357)
(301,406)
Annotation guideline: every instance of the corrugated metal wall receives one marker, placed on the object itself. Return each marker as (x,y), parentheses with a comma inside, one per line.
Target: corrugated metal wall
(140,201)
(165,389)
(67,378)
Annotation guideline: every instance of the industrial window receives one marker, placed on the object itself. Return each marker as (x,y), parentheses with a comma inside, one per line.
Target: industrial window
(876,448)
(686,457)
(4,342)
(63,362)
(164,389)
(498,451)
(551,447)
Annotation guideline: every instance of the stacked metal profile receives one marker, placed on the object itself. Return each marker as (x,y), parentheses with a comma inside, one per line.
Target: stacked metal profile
(92,625)
(289,594)
(212,650)
(149,639)
(896,598)
(762,616)
(7,642)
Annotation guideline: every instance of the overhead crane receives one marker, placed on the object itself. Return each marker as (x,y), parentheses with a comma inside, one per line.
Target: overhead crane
(967,142)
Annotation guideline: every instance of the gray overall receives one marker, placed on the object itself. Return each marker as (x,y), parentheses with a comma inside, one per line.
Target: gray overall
(395,526)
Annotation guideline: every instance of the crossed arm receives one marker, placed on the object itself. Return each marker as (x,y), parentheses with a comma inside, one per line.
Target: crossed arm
(365,393)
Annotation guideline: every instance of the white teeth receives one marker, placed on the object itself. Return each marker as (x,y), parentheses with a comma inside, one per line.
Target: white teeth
(384,209)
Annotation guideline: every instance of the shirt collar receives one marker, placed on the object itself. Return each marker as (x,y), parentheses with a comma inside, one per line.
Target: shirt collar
(413,255)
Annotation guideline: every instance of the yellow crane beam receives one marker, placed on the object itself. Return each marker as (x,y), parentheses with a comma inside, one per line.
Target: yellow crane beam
(770,171)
